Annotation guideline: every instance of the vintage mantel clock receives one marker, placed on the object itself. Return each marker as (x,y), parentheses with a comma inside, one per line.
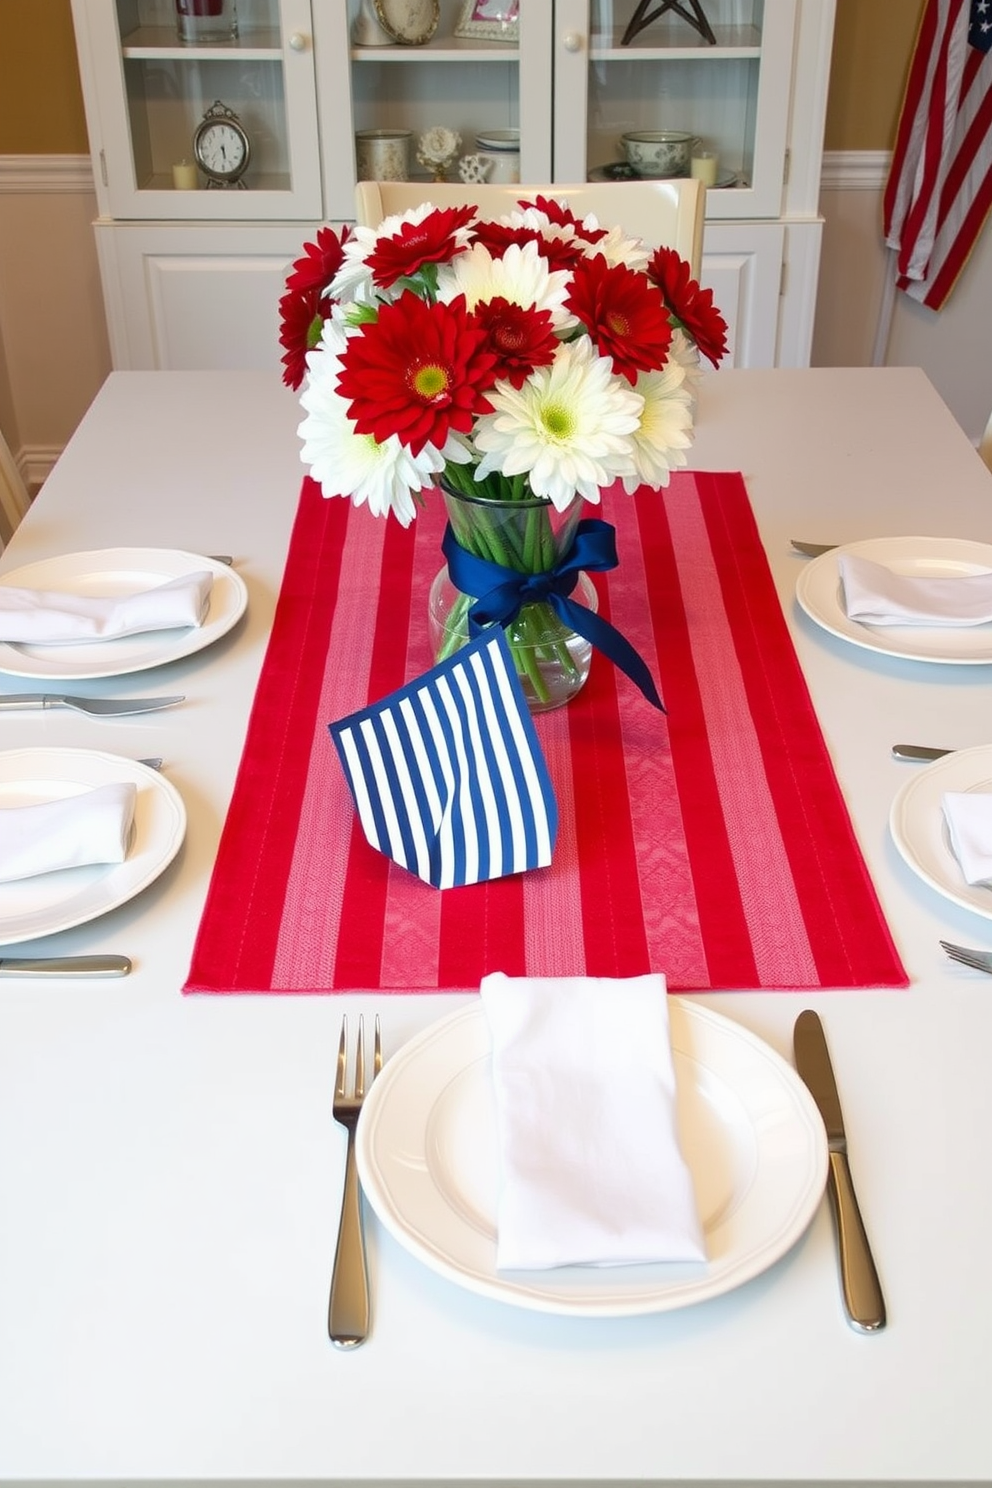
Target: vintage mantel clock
(221,147)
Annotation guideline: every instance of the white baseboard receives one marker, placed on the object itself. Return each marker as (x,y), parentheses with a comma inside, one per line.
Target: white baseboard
(36,463)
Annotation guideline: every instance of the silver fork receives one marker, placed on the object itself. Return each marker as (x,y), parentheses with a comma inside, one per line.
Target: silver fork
(977,960)
(348,1311)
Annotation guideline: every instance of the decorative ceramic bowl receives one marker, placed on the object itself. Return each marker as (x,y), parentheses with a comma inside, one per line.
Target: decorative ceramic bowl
(659,152)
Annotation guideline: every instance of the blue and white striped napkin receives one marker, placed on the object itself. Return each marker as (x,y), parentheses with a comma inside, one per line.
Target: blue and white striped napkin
(447,774)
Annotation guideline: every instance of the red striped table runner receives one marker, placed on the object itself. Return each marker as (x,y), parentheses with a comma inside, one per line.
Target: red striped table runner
(712,844)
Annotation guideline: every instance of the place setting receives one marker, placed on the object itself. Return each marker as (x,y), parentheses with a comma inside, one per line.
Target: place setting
(83,831)
(922,598)
(925,599)
(941,823)
(664,1156)
(114,611)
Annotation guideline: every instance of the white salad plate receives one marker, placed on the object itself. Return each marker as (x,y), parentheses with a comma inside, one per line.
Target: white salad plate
(50,902)
(115,572)
(749,1130)
(820,594)
(919,831)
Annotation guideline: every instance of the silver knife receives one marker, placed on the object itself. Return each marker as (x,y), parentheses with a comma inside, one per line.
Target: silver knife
(60,966)
(12,702)
(863,1298)
(918,752)
(812,550)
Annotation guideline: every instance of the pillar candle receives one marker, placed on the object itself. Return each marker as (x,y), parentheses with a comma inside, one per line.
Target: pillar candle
(184,176)
(704,167)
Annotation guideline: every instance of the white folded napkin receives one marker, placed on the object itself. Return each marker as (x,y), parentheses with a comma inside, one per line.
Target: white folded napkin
(47,617)
(969,821)
(591,1169)
(875,595)
(91,827)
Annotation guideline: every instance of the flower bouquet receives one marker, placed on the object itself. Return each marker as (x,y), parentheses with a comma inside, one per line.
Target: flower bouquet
(522,365)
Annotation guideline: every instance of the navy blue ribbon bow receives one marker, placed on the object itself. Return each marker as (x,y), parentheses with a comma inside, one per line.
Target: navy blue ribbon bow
(504,592)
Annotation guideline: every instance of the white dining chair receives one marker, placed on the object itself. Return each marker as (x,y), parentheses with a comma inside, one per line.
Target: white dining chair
(985,444)
(14,498)
(666,213)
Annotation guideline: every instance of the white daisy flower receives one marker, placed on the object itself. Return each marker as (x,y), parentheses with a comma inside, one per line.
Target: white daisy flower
(618,248)
(568,428)
(686,353)
(522,276)
(345,463)
(665,427)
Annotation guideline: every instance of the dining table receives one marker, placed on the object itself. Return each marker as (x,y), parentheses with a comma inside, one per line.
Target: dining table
(170,1169)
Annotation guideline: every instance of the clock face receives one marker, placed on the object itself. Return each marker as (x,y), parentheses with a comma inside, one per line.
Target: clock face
(222,149)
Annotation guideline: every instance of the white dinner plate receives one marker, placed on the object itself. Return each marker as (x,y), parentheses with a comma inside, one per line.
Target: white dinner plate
(750,1132)
(821,596)
(916,821)
(50,902)
(117,572)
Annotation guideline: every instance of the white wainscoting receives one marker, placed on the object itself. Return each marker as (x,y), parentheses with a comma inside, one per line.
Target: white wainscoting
(54,353)
(952,345)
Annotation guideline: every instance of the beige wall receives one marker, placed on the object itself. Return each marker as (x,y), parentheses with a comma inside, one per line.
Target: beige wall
(873,41)
(41,103)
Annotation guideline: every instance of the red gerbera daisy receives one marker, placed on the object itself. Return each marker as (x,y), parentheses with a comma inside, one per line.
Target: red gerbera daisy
(321,260)
(300,325)
(625,320)
(418,371)
(522,339)
(560,253)
(692,306)
(561,216)
(431,241)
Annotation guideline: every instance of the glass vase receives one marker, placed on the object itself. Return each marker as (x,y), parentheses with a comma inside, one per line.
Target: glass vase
(531,536)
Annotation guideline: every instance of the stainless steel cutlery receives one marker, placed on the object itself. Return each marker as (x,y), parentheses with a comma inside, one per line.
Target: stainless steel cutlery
(967,956)
(918,752)
(65,966)
(349,1309)
(95,707)
(811,550)
(863,1298)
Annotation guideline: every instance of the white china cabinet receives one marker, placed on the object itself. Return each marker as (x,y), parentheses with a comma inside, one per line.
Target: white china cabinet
(193,269)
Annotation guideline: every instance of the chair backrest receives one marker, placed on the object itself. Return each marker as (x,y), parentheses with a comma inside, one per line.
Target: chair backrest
(14,498)
(665,213)
(985,444)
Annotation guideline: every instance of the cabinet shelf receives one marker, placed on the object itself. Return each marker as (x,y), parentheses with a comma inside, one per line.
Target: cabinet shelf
(159,43)
(447,49)
(260,181)
(663,42)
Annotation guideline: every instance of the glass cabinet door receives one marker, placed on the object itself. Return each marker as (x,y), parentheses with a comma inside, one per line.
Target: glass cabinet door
(155,88)
(483,73)
(729,91)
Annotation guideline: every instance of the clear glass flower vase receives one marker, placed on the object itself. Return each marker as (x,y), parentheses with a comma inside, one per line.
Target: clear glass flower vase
(531,536)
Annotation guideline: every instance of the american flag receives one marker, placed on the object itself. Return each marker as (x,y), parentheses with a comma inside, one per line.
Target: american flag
(939,190)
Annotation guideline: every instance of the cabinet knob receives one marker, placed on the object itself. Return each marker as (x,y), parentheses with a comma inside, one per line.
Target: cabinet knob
(298,42)
(572,41)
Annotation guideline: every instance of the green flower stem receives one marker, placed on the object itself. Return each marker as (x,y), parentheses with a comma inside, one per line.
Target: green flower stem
(514,538)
